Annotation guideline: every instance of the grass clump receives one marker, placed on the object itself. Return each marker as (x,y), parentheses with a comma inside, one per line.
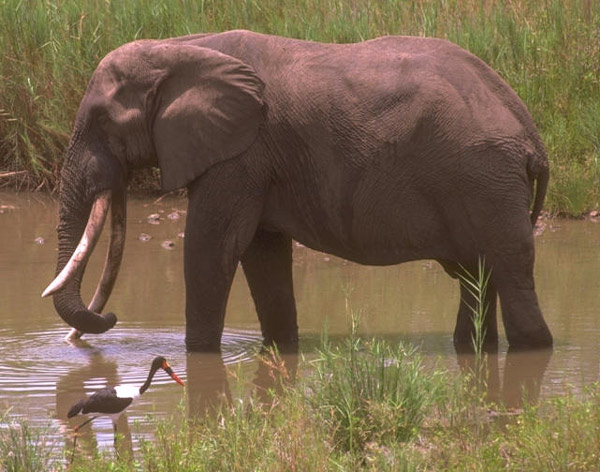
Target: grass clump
(24,448)
(557,434)
(562,434)
(370,392)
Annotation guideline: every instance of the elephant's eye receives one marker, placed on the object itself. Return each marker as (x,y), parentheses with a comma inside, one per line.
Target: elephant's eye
(103,119)
(115,145)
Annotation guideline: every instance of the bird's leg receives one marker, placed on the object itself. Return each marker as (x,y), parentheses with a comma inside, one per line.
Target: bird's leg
(116,440)
(77,428)
(74,448)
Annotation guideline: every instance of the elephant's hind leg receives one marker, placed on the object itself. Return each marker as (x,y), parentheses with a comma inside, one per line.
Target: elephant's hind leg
(511,254)
(464,331)
(523,321)
(267,264)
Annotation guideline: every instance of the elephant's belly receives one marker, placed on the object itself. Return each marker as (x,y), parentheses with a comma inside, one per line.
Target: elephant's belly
(375,255)
(372,243)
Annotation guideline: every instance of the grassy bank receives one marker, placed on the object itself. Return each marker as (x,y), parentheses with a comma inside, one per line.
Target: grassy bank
(364,405)
(548,50)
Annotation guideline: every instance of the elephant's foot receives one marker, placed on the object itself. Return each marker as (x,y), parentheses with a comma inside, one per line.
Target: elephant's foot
(284,345)
(464,345)
(196,345)
(540,338)
(523,322)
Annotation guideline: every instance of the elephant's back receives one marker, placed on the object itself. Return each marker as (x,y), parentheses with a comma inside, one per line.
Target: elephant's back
(394,67)
(393,87)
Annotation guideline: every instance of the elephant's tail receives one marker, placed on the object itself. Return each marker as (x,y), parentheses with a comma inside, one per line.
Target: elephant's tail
(540,173)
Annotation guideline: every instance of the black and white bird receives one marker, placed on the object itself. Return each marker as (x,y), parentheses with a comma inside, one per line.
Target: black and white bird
(113,401)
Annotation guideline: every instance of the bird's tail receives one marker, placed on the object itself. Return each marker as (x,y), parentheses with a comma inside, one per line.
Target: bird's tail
(75,409)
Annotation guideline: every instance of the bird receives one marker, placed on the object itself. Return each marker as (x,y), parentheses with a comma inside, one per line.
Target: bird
(113,401)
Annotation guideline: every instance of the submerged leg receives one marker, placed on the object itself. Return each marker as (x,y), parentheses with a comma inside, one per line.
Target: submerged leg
(523,321)
(220,225)
(267,264)
(76,430)
(464,331)
(89,420)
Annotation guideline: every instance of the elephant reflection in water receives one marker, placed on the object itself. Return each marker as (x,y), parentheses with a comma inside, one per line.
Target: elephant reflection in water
(70,388)
(208,379)
(208,383)
(522,377)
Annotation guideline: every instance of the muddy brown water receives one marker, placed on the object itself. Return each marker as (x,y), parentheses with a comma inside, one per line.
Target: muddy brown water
(41,375)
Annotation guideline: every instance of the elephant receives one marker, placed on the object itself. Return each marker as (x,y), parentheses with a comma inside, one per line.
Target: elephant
(384,151)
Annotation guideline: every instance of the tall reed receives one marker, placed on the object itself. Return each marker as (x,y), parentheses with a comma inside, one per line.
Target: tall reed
(477,285)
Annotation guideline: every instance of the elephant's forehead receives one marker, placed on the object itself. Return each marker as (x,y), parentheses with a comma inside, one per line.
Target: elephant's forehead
(124,63)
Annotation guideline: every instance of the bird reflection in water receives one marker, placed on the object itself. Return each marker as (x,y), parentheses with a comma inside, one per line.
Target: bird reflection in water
(70,388)
(113,401)
(110,401)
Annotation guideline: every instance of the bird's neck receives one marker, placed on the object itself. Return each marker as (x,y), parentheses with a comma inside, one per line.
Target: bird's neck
(148,381)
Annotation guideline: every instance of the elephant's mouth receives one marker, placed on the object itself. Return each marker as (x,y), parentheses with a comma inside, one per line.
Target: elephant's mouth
(73,270)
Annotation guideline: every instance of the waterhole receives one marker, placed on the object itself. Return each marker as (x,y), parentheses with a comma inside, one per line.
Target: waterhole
(41,375)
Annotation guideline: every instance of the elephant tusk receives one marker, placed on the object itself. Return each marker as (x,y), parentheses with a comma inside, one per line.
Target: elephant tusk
(112,263)
(114,254)
(86,245)
(73,334)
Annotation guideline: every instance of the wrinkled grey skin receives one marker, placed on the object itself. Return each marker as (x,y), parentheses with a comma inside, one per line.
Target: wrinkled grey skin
(380,152)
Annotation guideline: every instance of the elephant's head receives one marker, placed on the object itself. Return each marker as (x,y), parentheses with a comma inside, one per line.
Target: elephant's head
(175,105)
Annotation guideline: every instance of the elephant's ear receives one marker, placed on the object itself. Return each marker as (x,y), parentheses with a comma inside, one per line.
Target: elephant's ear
(209,108)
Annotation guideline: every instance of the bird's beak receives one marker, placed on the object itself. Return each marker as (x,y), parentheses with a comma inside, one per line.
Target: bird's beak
(167,368)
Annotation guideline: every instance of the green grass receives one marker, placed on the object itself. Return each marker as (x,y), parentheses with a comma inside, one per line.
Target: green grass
(368,392)
(360,405)
(548,51)
(25,448)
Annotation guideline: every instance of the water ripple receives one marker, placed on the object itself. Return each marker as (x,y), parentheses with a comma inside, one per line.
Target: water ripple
(240,346)
(39,363)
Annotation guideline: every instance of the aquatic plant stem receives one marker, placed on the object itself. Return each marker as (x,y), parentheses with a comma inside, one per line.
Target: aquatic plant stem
(476,285)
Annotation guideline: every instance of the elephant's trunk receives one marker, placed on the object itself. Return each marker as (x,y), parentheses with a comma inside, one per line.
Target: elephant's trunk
(72,262)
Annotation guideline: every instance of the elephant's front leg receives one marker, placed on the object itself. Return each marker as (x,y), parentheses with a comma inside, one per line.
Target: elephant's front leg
(267,264)
(221,222)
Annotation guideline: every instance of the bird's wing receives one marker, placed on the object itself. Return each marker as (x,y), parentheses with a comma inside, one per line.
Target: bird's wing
(107,402)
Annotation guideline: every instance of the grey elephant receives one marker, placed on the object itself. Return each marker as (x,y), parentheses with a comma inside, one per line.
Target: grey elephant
(389,150)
